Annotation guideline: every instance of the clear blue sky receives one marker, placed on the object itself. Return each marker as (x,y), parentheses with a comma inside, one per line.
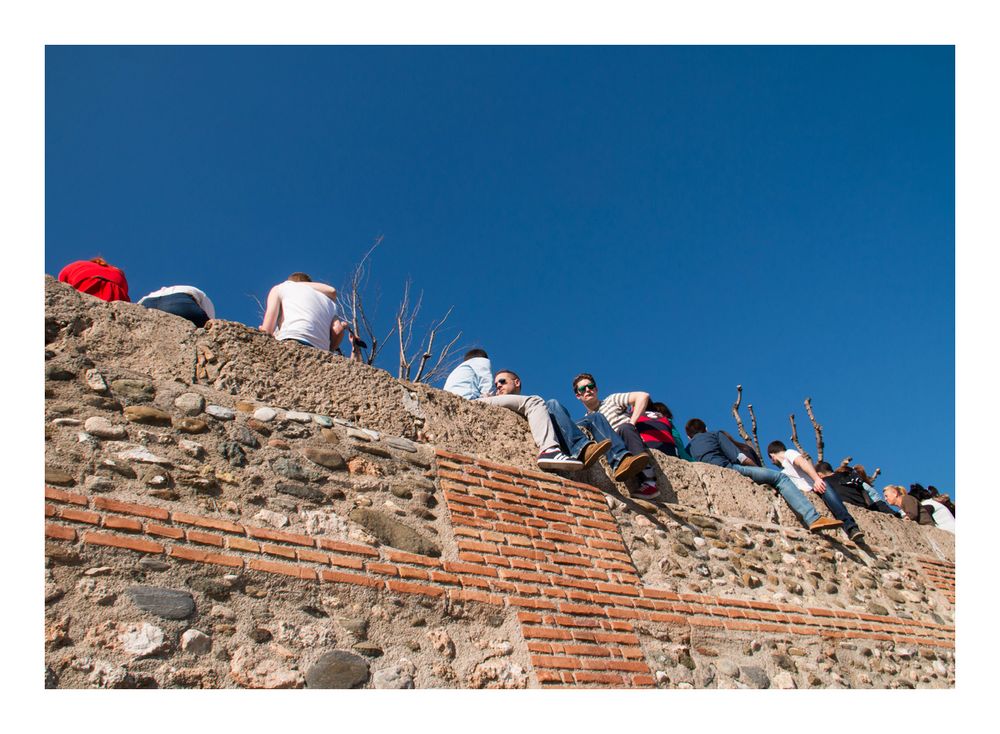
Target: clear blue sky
(673,219)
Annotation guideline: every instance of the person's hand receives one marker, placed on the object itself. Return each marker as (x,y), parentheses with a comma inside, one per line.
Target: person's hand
(819,486)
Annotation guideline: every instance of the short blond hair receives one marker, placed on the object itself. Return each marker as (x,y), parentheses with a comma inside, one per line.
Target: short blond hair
(895,488)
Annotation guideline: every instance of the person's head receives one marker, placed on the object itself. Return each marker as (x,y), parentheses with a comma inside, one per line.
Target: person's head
(299,278)
(100,261)
(894,494)
(695,426)
(662,409)
(507,382)
(585,389)
(473,353)
(776,450)
(823,468)
(859,469)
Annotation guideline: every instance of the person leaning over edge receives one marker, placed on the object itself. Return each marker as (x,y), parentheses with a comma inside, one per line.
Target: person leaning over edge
(305,312)
(716,448)
(622,411)
(801,471)
(97,278)
(851,488)
(185,301)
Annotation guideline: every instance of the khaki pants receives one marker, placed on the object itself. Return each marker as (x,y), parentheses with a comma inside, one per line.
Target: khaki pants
(533,408)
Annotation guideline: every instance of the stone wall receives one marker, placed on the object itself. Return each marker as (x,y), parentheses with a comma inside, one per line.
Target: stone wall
(223,510)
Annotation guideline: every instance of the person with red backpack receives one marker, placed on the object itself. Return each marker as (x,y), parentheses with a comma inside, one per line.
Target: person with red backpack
(657,430)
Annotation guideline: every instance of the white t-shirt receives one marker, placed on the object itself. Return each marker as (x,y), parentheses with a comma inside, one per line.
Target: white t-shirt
(941,514)
(306,314)
(203,301)
(801,479)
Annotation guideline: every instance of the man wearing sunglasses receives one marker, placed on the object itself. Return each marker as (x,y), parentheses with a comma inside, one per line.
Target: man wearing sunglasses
(621,410)
(563,446)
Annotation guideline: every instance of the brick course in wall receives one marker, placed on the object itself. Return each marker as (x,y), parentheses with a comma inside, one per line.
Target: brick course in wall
(545,547)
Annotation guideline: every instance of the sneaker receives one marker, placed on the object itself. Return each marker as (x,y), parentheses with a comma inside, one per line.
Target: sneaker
(594,451)
(648,491)
(630,466)
(825,523)
(555,460)
(855,534)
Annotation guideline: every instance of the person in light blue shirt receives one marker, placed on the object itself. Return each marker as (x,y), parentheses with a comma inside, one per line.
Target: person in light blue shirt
(473,378)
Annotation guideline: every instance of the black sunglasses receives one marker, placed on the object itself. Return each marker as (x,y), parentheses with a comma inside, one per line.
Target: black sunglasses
(501,381)
(584,388)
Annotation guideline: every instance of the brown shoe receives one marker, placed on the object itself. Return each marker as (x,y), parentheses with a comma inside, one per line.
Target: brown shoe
(630,466)
(824,523)
(594,451)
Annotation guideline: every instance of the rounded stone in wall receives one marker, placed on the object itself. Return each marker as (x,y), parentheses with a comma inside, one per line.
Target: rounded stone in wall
(338,669)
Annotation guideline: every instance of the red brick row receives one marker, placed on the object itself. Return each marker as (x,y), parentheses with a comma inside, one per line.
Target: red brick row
(114,522)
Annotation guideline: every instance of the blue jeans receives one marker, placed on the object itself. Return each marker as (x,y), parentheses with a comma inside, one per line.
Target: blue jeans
(179,304)
(837,509)
(794,496)
(572,439)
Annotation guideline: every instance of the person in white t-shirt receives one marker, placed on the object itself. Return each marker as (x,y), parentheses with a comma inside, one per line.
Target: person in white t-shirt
(305,312)
(801,471)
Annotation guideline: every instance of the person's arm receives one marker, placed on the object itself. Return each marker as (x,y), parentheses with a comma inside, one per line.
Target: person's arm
(682,450)
(819,486)
(911,509)
(732,453)
(327,290)
(484,381)
(639,402)
(272,312)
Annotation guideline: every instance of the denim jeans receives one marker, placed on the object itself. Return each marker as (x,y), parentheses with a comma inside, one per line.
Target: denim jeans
(794,496)
(837,509)
(573,439)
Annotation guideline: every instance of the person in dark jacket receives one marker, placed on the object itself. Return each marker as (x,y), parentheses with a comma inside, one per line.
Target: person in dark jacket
(715,448)
(851,488)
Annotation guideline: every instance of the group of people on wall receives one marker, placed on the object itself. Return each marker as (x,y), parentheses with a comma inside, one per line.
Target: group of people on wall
(623,426)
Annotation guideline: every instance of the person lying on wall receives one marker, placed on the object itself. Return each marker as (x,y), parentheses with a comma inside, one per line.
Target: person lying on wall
(803,474)
(716,448)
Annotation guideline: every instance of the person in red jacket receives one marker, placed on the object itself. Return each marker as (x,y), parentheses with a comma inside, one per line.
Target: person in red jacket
(97,278)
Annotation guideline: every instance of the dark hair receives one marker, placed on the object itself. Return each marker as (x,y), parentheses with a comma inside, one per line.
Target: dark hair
(512,373)
(695,426)
(824,466)
(584,376)
(662,408)
(775,446)
(300,278)
(475,353)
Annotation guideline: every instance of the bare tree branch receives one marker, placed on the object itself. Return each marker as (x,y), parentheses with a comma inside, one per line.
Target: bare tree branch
(260,306)
(817,429)
(736,414)
(795,437)
(355,304)
(753,427)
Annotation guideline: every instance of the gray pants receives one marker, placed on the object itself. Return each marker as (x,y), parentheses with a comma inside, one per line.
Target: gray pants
(533,408)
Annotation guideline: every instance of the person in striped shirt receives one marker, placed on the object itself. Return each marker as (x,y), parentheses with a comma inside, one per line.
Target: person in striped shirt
(622,410)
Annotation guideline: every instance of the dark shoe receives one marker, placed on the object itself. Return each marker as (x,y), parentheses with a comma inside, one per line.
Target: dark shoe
(825,523)
(855,534)
(630,466)
(594,451)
